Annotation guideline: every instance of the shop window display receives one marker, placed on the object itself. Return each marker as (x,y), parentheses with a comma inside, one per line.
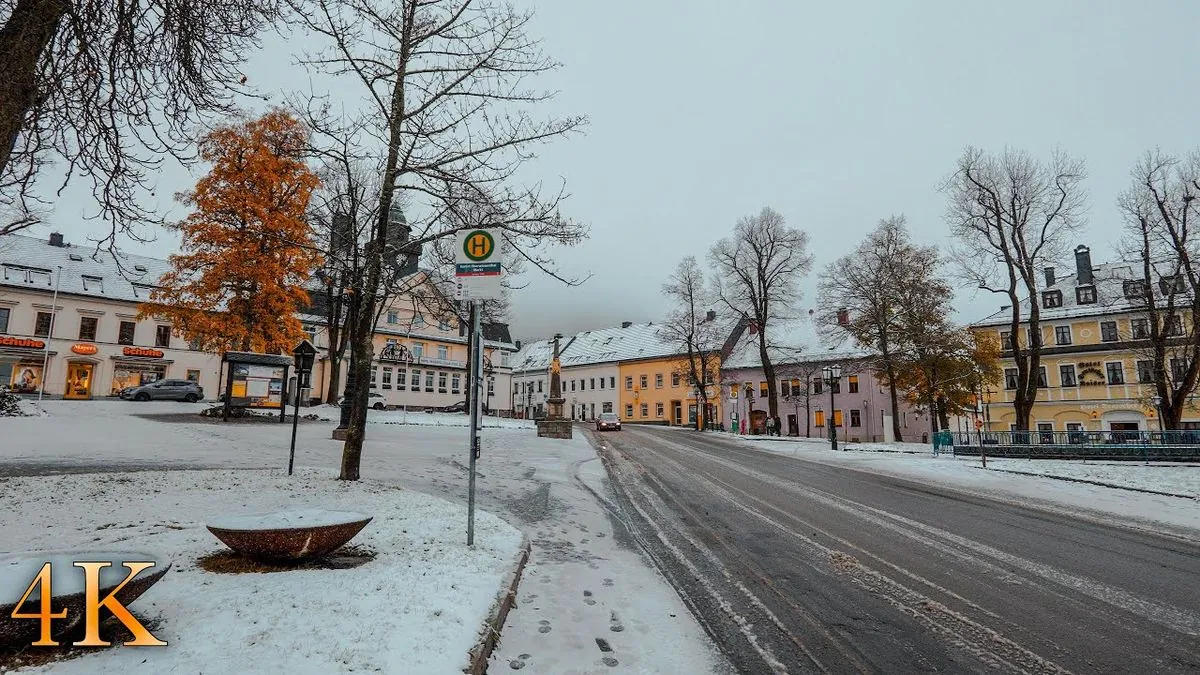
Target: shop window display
(128,375)
(21,378)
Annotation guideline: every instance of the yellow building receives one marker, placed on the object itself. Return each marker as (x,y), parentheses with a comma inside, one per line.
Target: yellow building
(657,391)
(1095,372)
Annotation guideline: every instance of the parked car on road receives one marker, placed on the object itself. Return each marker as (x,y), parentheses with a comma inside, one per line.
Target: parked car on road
(374,400)
(459,407)
(170,390)
(608,421)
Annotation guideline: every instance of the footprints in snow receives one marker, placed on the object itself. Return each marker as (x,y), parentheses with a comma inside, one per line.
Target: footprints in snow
(519,662)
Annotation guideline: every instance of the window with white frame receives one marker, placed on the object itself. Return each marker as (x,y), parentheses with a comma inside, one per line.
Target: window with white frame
(393,317)
(441,382)
(658,381)
(491,386)
(1062,335)
(629,410)
(387,378)
(645,409)
(401,378)
(1116,372)
(503,358)
(1108,331)
(443,352)
(658,409)
(1010,378)
(455,383)
(1066,375)
(429,380)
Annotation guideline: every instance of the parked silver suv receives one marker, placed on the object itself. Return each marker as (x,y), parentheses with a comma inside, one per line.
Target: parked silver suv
(174,390)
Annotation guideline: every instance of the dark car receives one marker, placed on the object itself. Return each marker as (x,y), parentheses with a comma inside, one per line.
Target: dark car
(459,407)
(170,390)
(608,421)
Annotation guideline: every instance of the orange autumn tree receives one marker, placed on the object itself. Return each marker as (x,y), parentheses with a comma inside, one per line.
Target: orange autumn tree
(247,247)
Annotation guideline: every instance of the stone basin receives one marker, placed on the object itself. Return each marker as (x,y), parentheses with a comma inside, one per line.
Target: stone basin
(289,535)
(66,588)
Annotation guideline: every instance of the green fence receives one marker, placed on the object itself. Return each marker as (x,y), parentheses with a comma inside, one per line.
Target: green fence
(1159,446)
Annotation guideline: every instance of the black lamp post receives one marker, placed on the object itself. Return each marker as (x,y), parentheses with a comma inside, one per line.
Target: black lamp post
(833,374)
(749,393)
(304,354)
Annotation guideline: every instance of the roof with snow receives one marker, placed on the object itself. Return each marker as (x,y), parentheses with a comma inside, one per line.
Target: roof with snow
(792,341)
(30,262)
(591,347)
(1116,290)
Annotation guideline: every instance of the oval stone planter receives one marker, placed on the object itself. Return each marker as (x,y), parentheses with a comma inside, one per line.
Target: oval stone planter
(289,535)
(66,588)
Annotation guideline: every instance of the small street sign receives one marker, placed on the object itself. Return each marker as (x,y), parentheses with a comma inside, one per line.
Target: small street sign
(477,267)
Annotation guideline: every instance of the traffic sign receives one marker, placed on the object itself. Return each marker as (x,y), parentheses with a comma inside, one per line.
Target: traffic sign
(978,424)
(478,270)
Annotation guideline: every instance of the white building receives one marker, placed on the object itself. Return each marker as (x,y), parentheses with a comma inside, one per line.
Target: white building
(86,340)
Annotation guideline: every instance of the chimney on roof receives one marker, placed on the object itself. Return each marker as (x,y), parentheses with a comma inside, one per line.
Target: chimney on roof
(1049,276)
(518,344)
(843,316)
(711,316)
(56,239)
(626,324)
(1083,265)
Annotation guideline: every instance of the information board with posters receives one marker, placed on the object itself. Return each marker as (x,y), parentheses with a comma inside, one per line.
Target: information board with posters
(257,386)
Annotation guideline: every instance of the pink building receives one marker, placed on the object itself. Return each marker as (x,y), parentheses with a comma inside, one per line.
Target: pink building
(860,405)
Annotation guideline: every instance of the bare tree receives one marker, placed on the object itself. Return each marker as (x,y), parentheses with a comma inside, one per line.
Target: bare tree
(694,331)
(444,86)
(1160,210)
(1011,216)
(758,268)
(110,88)
(871,294)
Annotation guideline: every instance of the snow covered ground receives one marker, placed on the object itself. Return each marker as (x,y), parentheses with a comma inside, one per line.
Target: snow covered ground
(915,461)
(586,580)
(418,606)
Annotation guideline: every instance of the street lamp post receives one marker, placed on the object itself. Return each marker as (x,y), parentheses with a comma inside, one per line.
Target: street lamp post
(833,374)
(749,393)
(304,354)
(1157,400)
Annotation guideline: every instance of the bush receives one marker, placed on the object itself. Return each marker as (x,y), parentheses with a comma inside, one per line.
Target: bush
(10,405)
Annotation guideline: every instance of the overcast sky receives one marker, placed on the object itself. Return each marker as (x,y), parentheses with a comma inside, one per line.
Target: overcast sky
(834,114)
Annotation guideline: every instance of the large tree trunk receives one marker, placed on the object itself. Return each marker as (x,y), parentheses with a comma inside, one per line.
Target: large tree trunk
(807,415)
(768,372)
(895,399)
(335,375)
(29,30)
(362,349)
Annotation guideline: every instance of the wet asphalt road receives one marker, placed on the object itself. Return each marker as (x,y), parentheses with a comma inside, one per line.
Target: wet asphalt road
(797,566)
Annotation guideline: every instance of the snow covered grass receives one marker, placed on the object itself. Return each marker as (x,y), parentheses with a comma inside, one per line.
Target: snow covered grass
(1171,478)
(443,419)
(417,607)
(1048,489)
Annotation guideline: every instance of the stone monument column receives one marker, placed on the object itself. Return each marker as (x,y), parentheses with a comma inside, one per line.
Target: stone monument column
(554,426)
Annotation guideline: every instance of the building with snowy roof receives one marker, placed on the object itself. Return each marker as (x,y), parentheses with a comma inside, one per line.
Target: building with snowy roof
(633,370)
(69,324)
(1095,371)
(799,350)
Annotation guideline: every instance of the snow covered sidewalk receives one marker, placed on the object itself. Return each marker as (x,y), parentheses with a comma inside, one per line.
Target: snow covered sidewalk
(417,607)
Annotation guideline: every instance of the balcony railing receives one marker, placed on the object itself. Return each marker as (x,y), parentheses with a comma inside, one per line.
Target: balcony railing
(1117,444)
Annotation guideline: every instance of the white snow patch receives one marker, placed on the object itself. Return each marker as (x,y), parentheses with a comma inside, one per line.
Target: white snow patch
(419,606)
(284,520)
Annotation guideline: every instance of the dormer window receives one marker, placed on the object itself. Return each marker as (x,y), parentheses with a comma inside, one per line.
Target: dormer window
(1134,289)
(1171,285)
(1051,299)
(1085,295)
(93,284)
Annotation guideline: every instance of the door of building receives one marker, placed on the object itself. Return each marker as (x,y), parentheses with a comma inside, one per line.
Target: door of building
(1045,433)
(1124,431)
(677,413)
(79,380)
(793,426)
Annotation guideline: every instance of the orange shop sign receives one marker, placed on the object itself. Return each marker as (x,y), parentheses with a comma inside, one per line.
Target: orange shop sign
(85,348)
(26,343)
(142,351)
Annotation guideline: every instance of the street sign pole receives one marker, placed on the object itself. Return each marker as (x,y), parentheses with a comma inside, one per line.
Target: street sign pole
(479,272)
(474,365)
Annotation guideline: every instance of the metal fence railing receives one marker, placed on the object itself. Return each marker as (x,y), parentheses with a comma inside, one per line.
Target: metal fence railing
(1135,445)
